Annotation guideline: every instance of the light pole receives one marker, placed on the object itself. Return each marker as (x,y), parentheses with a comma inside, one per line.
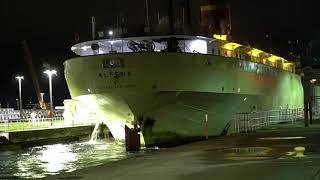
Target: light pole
(20,96)
(42,101)
(110,33)
(17,104)
(50,73)
(110,36)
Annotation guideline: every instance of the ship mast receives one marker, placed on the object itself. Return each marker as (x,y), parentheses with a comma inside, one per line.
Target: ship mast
(93,27)
(147,17)
(170,14)
(215,17)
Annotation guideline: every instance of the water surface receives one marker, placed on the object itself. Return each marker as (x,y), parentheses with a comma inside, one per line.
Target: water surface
(40,161)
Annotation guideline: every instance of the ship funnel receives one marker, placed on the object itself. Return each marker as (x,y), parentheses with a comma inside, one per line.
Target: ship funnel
(215,17)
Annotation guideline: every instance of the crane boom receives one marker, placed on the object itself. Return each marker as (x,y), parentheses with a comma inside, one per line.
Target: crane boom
(28,58)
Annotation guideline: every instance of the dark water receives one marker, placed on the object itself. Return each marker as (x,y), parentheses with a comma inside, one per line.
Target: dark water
(40,161)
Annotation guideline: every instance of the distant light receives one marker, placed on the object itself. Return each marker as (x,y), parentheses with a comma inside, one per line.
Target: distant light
(50,72)
(110,33)
(273,58)
(285,65)
(245,99)
(313,80)
(255,52)
(231,46)
(19,77)
(89,90)
(220,37)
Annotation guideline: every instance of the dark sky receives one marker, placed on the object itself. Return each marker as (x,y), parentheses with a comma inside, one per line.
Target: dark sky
(49,27)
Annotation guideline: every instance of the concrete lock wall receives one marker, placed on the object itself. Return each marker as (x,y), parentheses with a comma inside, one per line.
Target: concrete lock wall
(47,135)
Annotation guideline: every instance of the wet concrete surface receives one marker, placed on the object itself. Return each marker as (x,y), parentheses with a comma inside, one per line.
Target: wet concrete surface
(266,154)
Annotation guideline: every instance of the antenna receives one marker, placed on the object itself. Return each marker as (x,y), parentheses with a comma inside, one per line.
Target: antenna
(147,14)
(171,17)
(188,8)
(158,17)
(183,7)
(93,27)
(230,21)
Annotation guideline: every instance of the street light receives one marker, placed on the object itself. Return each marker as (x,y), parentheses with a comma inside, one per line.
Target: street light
(110,33)
(111,42)
(50,73)
(18,104)
(20,96)
(42,105)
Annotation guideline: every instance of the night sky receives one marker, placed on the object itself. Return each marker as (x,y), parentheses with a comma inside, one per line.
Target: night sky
(49,28)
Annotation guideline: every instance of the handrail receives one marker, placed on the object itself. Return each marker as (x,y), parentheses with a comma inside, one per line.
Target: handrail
(251,121)
(12,120)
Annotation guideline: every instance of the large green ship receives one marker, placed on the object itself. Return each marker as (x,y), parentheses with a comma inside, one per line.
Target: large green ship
(168,85)
(176,87)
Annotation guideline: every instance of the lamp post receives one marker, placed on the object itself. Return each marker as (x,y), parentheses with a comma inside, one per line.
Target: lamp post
(110,33)
(17,104)
(111,42)
(50,73)
(42,101)
(20,96)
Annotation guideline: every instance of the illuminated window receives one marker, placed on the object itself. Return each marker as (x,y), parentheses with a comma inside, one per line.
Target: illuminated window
(220,37)
(231,46)
(255,52)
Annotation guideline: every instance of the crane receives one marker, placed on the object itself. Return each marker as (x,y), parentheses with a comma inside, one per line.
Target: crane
(28,58)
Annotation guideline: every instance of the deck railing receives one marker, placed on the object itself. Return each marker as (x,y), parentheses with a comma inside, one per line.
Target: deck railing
(14,120)
(251,121)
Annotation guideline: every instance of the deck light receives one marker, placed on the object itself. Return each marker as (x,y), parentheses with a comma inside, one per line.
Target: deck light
(285,65)
(220,37)
(231,46)
(274,58)
(255,52)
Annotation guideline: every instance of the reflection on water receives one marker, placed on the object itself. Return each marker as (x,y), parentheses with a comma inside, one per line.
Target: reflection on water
(37,162)
(248,153)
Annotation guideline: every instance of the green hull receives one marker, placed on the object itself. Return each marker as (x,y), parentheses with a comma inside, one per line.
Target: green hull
(168,94)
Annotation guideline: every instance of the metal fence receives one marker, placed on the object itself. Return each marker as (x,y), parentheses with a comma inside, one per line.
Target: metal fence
(315,102)
(15,120)
(251,121)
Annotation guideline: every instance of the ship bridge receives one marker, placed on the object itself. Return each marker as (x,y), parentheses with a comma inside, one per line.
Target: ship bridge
(218,45)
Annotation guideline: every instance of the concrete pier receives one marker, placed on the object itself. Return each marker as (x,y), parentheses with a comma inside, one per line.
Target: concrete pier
(265,154)
(17,139)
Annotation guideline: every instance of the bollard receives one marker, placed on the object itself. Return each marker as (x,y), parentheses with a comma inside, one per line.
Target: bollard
(299,151)
(132,138)
(206,127)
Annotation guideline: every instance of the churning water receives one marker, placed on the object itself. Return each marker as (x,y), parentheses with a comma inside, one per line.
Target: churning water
(40,161)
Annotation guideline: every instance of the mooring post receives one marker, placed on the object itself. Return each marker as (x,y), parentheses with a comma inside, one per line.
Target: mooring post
(310,111)
(206,126)
(306,96)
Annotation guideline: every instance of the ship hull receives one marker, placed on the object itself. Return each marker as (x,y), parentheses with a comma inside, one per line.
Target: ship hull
(169,94)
